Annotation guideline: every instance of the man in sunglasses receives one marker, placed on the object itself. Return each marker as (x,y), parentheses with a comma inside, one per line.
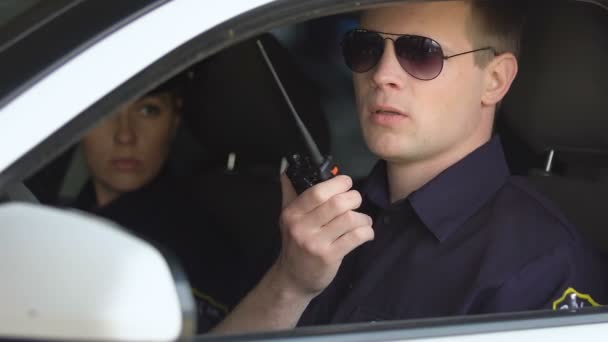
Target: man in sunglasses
(453,233)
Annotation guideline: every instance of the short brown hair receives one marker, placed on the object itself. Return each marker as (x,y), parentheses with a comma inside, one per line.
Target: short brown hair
(497,24)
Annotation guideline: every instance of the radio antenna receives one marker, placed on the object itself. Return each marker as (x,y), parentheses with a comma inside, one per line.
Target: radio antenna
(315,154)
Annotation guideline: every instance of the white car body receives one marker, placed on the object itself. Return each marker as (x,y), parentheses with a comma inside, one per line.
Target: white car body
(82,80)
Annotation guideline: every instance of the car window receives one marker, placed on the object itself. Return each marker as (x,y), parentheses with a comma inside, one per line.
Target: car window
(225,156)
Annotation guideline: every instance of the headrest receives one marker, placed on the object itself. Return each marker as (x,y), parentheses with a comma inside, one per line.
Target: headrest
(235,106)
(559,100)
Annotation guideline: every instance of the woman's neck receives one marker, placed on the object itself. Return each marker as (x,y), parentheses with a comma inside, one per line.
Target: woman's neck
(104,194)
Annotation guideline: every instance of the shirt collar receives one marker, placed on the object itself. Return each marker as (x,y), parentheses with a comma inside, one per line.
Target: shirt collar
(448,200)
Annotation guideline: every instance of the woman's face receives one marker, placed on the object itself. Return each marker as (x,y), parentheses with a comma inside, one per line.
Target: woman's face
(129,149)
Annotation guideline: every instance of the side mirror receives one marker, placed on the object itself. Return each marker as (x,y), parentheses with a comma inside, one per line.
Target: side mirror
(67,275)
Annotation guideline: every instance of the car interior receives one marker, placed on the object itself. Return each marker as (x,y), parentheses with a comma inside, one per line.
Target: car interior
(553,119)
(238,127)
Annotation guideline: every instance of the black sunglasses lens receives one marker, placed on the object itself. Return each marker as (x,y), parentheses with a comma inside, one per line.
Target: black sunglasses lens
(362,50)
(421,57)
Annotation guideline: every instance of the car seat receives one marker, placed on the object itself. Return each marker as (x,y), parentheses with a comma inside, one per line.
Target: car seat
(554,121)
(238,114)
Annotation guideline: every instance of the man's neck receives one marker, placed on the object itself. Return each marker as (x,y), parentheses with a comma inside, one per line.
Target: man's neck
(407,177)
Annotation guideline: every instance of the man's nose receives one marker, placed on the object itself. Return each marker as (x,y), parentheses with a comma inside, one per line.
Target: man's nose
(388,73)
(125,133)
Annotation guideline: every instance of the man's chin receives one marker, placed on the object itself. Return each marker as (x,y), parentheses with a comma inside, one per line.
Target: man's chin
(397,155)
(392,156)
(387,149)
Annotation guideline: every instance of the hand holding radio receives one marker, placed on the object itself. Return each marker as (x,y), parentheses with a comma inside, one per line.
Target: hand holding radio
(320,226)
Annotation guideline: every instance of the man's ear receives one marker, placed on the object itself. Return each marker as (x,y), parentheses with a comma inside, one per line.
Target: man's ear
(499,76)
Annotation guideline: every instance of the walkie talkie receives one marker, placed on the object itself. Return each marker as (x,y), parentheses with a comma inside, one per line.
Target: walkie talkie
(304,170)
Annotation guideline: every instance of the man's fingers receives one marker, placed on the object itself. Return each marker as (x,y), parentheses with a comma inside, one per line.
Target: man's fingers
(334,240)
(353,239)
(332,209)
(319,194)
(343,224)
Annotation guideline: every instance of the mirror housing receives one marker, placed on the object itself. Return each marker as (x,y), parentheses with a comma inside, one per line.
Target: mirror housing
(70,275)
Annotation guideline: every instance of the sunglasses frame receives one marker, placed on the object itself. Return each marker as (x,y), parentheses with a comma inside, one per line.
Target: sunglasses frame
(394,40)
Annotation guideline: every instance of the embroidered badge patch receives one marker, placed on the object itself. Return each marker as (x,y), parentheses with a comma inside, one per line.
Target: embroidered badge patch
(573,300)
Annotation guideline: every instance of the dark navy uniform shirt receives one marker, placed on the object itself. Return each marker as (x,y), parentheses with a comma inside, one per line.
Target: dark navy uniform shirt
(472,240)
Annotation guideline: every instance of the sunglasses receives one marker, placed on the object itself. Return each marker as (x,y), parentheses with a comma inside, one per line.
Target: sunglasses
(421,57)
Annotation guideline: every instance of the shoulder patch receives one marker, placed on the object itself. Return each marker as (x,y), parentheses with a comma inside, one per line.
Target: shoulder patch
(573,300)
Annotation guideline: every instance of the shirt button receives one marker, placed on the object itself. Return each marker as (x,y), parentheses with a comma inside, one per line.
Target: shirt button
(386,220)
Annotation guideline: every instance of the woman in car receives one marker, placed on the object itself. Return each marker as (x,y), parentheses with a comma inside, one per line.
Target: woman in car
(130,184)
